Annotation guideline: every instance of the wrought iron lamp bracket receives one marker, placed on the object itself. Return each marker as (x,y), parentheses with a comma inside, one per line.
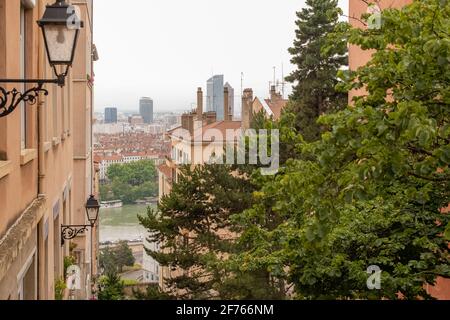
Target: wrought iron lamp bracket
(70,232)
(11,99)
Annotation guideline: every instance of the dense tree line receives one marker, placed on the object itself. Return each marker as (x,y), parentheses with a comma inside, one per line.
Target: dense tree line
(113,259)
(360,186)
(130,182)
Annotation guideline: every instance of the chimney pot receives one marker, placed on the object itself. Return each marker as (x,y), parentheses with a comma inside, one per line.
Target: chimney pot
(199,104)
(247,108)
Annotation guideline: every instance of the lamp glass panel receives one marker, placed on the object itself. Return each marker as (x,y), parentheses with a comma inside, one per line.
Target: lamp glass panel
(92,214)
(60,42)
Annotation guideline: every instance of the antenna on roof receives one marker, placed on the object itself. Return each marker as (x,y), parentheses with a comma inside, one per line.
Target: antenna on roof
(242,83)
(274,76)
(283,82)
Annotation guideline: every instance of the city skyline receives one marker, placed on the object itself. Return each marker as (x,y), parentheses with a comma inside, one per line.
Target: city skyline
(201,44)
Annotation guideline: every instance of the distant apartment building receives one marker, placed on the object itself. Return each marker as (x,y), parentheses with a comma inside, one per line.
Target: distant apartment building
(46,168)
(146,109)
(105,161)
(128,147)
(149,265)
(108,128)
(272,106)
(135,120)
(215,95)
(110,115)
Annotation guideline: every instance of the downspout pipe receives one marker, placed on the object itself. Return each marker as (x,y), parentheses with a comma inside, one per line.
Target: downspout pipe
(40,122)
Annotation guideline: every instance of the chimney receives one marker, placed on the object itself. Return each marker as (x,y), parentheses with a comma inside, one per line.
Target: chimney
(187,122)
(247,110)
(226,107)
(274,95)
(199,104)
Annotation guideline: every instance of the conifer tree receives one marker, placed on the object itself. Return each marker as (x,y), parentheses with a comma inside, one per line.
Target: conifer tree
(315,76)
(193,227)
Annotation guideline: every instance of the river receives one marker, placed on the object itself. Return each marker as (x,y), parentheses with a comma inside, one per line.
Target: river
(122,223)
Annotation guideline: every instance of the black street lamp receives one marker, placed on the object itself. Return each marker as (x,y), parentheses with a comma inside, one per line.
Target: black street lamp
(60,27)
(92,210)
(69,232)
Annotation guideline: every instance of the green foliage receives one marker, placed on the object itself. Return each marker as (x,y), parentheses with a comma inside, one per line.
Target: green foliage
(129,282)
(153,292)
(111,287)
(60,287)
(370,191)
(315,77)
(130,182)
(193,224)
(114,259)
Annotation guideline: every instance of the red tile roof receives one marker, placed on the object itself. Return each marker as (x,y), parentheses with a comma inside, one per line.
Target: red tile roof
(276,106)
(165,170)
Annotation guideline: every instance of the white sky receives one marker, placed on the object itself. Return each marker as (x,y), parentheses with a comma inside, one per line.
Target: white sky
(165,49)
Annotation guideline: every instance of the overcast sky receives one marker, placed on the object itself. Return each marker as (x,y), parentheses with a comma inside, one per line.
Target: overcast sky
(165,49)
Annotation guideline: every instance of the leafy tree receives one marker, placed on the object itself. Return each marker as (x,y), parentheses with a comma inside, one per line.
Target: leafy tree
(370,192)
(112,288)
(114,259)
(107,260)
(131,182)
(123,255)
(192,224)
(106,192)
(315,77)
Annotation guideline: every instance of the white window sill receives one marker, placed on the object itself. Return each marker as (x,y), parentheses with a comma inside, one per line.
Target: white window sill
(47,146)
(56,141)
(27,155)
(5,168)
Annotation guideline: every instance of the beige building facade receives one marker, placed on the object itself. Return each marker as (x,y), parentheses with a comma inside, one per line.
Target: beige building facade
(46,170)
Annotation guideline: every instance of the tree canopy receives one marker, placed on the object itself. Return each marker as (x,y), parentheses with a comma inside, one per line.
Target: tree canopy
(130,182)
(372,189)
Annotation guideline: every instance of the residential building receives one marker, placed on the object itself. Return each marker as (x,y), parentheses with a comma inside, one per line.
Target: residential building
(149,265)
(146,109)
(272,106)
(110,115)
(358,58)
(135,120)
(46,169)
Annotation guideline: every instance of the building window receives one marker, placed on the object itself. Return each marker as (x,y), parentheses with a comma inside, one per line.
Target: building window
(27,279)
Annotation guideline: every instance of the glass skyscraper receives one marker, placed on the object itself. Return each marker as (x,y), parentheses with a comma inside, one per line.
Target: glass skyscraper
(214,96)
(146,109)
(110,115)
